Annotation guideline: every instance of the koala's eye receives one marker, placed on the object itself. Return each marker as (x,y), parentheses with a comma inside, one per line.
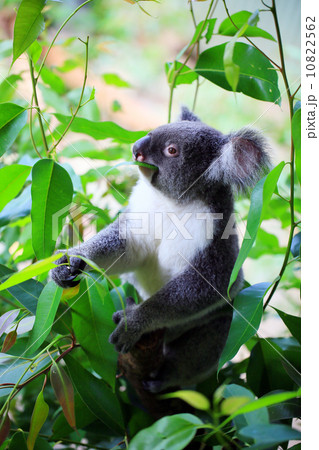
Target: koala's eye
(171,151)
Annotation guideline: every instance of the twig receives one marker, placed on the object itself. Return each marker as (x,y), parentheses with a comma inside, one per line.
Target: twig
(86,43)
(292,157)
(36,101)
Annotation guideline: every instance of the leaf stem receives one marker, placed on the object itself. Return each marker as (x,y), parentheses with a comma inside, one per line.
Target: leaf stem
(37,107)
(191,48)
(56,35)
(273,9)
(249,40)
(86,43)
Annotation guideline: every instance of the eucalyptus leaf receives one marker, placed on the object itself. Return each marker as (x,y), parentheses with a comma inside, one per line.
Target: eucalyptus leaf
(96,394)
(171,432)
(28,25)
(92,312)
(12,179)
(51,192)
(257,77)
(248,310)
(101,130)
(46,309)
(260,198)
(12,119)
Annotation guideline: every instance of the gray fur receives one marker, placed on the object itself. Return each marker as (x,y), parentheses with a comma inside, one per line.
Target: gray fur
(192,306)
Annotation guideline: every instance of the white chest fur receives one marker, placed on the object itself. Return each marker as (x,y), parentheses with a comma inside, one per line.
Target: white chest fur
(162,236)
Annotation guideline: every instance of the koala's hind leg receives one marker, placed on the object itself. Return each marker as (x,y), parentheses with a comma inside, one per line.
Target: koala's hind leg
(193,356)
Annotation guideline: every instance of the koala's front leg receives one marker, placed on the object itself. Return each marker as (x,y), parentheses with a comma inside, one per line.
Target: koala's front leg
(106,249)
(129,328)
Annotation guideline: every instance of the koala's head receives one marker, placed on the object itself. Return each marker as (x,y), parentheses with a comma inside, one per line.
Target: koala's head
(192,157)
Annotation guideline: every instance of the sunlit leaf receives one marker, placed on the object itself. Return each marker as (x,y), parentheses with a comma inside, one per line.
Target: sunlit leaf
(12,119)
(64,392)
(46,309)
(12,179)
(51,192)
(28,25)
(38,418)
(260,198)
(231,404)
(27,293)
(31,271)
(193,398)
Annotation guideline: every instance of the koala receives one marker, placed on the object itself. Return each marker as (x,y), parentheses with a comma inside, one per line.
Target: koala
(170,243)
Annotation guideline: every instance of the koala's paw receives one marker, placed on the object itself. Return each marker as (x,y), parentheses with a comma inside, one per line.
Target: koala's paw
(65,274)
(128,330)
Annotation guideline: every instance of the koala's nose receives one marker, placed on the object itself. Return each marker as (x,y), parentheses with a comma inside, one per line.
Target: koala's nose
(139,148)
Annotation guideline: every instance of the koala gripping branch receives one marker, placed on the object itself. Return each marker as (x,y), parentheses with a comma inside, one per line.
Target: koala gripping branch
(146,357)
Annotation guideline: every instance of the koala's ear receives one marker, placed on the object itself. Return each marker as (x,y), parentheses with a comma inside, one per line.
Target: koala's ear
(242,161)
(186,114)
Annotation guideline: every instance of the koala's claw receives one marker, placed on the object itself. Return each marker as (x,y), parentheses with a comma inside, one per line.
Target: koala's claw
(64,275)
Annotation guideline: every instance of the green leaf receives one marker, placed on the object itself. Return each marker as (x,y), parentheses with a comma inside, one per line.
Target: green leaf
(83,417)
(27,293)
(92,312)
(39,416)
(31,271)
(101,130)
(227,28)
(18,208)
(18,441)
(8,87)
(265,436)
(296,136)
(232,70)
(64,392)
(170,432)
(247,314)
(34,51)
(249,418)
(115,80)
(12,119)
(12,179)
(28,25)
(51,193)
(54,81)
(293,323)
(47,307)
(193,398)
(185,76)
(267,371)
(96,394)
(260,198)
(257,78)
